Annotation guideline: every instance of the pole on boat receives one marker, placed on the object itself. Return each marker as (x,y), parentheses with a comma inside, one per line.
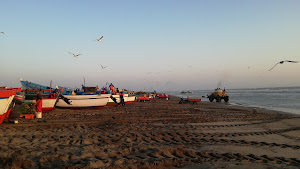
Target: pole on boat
(83,81)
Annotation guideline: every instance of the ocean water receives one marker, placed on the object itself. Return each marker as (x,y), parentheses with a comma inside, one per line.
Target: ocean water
(284,99)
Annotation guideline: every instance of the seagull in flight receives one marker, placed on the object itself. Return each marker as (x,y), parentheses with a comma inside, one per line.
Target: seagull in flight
(169,82)
(100,39)
(152,73)
(281,62)
(103,67)
(76,56)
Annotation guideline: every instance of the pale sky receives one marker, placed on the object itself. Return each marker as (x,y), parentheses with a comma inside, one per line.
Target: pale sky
(186,44)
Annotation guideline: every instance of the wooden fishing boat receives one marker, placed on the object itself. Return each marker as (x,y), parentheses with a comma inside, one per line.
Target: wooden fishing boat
(6,97)
(162,96)
(82,97)
(31,85)
(142,98)
(117,99)
(30,88)
(18,90)
(87,97)
(131,98)
(28,96)
(7,88)
(48,102)
(83,101)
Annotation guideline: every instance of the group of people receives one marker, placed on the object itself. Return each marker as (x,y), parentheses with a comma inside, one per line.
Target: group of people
(111,90)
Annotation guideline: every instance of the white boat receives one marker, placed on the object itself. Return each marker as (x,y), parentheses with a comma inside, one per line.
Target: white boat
(111,102)
(82,97)
(83,101)
(48,101)
(131,99)
(6,97)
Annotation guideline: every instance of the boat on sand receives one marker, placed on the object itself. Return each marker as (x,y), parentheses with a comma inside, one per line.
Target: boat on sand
(6,98)
(131,99)
(116,100)
(82,101)
(48,102)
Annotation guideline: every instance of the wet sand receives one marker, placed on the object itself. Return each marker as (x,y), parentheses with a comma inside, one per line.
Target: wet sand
(160,134)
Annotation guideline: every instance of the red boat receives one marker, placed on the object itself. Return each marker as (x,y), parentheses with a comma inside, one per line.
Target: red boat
(6,97)
(162,96)
(143,98)
(49,101)
(17,96)
(6,88)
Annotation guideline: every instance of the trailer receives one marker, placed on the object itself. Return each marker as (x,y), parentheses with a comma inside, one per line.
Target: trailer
(189,100)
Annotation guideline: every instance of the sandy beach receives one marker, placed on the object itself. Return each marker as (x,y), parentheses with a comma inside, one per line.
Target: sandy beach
(156,134)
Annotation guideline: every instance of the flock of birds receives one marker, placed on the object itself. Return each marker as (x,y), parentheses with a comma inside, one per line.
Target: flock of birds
(103,67)
(76,55)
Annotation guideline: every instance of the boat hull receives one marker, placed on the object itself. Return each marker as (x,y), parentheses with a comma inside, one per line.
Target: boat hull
(117,97)
(83,101)
(47,103)
(82,97)
(143,98)
(131,99)
(6,97)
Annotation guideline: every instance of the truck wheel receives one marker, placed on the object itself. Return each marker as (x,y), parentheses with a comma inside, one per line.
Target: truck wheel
(218,99)
(226,98)
(211,98)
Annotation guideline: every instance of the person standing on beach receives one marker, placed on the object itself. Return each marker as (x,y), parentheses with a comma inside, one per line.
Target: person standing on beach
(38,105)
(112,88)
(122,99)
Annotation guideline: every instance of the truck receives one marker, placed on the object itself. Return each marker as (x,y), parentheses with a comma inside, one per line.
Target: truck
(218,95)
